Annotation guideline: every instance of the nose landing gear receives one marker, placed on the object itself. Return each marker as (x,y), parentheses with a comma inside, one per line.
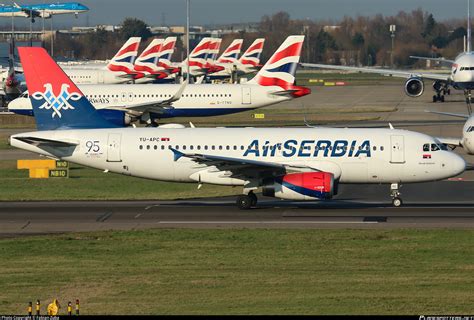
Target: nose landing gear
(469,100)
(395,194)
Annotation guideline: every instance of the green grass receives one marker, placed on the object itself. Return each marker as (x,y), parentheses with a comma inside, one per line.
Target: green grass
(91,184)
(249,271)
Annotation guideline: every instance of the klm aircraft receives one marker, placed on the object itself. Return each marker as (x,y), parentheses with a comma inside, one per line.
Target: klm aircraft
(45,10)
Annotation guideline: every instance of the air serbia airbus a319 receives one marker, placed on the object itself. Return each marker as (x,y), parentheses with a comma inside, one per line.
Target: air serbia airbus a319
(287,163)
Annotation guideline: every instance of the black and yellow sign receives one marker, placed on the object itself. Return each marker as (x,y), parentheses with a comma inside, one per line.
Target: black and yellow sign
(60,164)
(59,173)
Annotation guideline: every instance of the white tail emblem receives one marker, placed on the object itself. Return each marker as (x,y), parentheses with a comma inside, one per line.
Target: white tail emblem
(57,103)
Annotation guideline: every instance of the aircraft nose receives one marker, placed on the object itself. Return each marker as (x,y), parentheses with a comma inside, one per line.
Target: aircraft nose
(456,163)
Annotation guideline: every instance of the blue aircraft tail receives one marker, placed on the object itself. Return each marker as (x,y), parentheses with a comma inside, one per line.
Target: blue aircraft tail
(57,102)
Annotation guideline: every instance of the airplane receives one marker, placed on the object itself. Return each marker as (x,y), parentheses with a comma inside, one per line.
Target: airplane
(228,60)
(197,59)
(120,69)
(460,78)
(467,140)
(249,62)
(44,10)
(286,163)
(150,103)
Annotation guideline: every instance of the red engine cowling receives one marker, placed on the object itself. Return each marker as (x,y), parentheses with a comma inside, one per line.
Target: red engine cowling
(301,186)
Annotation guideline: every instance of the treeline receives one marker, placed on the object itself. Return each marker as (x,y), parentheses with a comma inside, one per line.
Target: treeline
(350,41)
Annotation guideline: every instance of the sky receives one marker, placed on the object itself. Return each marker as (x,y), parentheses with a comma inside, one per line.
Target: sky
(205,12)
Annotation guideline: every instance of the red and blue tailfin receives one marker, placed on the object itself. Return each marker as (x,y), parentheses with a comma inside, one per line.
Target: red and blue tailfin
(167,49)
(56,100)
(231,54)
(197,57)
(281,67)
(252,55)
(148,60)
(124,60)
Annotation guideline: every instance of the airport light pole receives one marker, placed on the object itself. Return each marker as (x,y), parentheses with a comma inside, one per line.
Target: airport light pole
(187,39)
(393,28)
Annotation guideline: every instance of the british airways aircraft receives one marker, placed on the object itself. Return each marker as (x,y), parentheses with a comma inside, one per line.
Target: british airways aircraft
(248,63)
(44,10)
(290,163)
(120,69)
(149,103)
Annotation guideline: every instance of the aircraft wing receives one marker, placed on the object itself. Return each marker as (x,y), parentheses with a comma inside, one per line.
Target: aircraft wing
(385,72)
(442,60)
(457,115)
(243,168)
(156,106)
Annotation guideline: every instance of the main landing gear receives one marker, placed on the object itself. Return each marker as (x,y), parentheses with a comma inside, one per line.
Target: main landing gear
(395,194)
(439,96)
(247,201)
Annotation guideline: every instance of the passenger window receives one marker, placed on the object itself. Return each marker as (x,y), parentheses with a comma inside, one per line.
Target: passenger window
(381,148)
(140,147)
(155,147)
(426,147)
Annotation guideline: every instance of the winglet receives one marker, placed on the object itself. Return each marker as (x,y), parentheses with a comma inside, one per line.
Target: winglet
(176,154)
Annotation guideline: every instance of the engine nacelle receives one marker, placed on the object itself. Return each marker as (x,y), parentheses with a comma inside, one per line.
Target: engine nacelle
(117,117)
(414,87)
(300,186)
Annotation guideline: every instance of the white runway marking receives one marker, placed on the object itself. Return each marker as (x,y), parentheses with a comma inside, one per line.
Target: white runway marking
(268,222)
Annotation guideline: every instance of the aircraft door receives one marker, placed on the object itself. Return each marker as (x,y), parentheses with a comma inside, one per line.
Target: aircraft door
(113,147)
(100,76)
(246,95)
(397,149)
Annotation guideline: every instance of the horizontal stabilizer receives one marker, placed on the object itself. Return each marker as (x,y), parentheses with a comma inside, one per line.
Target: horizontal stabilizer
(46,142)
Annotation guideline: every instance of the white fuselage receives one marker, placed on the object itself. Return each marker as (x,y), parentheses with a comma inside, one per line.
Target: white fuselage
(352,155)
(468,135)
(462,71)
(196,100)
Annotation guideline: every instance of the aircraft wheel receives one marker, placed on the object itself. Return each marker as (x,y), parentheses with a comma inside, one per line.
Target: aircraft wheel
(442,98)
(244,202)
(435,98)
(397,202)
(449,92)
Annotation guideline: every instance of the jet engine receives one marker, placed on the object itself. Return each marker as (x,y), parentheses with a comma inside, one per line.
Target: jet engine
(117,117)
(414,87)
(301,186)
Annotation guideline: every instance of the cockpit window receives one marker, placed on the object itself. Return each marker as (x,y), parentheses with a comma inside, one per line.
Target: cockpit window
(470,129)
(434,147)
(426,147)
